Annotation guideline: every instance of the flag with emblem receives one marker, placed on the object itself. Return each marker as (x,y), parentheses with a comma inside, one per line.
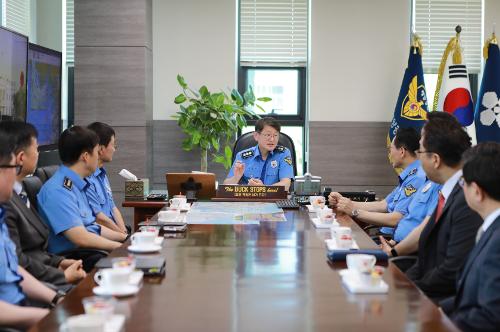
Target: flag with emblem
(487,114)
(411,106)
(453,88)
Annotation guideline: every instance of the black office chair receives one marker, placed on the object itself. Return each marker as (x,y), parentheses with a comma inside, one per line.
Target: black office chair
(32,185)
(46,172)
(246,141)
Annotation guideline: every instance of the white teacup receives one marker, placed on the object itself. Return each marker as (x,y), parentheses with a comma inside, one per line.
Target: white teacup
(343,237)
(143,239)
(168,215)
(112,278)
(86,323)
(126,263)
(152,229)
(360,263)
(317,202)
(178,201)
(326,215)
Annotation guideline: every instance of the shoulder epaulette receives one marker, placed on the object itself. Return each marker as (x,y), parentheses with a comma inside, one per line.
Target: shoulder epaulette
(413,171)
(280,148)
(247,154)
(68,184)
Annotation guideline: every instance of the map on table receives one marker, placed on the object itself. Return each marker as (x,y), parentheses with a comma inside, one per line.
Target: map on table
(230,213)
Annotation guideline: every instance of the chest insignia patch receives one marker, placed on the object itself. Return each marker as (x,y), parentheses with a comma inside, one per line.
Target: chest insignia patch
(274,163)
(409,190)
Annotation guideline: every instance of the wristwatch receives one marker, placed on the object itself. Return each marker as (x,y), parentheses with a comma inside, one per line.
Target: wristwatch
(59,294)
(355,213)
(394,253)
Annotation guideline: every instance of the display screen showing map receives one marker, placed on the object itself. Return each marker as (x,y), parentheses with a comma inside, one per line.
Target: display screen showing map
(13,54)
(44,93)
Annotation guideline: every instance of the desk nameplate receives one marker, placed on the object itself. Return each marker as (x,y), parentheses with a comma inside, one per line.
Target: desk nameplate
(242,193)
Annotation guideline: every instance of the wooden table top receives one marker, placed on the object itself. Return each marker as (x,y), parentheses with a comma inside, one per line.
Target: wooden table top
(273,276)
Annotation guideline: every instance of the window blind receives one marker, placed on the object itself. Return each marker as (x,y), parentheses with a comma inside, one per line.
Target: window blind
(435,22)
(273,31)
(17,16)
(70,31)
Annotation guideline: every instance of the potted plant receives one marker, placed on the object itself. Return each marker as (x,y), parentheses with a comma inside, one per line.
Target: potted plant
(211,120)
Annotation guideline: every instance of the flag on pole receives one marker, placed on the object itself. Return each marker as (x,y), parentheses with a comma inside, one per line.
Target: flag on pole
(453,88)
(411,106)
(487,114)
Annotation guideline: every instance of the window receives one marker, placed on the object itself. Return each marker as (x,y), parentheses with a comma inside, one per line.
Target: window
(16,15)
(273,58)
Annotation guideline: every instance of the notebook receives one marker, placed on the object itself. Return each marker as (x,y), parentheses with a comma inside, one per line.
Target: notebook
(151,266)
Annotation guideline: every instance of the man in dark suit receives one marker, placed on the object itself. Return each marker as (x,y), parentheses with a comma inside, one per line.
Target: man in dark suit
(476,306)
(28,232)
(448,236)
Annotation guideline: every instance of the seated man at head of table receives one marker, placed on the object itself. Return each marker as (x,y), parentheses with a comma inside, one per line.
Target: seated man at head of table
(99,191)
(476,305)
(266,163)
(27,230)
(64,206)
(394,207)
(445,240)
(19,290)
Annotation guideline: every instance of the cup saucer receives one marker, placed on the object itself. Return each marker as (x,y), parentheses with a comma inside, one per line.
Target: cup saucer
(143,248)
(125,290)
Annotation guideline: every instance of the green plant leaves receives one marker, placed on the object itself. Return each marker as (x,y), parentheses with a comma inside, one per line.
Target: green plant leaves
(180,99)
(207,118)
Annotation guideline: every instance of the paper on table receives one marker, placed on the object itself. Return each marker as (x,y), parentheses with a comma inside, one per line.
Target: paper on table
(127,175)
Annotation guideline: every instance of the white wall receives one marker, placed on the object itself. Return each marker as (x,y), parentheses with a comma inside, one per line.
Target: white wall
(491,15)
(49,24)
(194,38)
(359,50)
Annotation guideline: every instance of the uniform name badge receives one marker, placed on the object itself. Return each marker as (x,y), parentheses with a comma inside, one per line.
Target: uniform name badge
(274,163)
(427,187)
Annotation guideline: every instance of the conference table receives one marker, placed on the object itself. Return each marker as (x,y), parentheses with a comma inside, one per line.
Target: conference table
(271,276)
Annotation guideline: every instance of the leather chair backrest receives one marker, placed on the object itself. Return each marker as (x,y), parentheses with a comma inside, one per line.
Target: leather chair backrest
(246,141)
(46,172)
(32,185)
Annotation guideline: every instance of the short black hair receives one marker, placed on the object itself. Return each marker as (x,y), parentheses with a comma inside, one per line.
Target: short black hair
(21,132)
(7,146)
(104,131)
(443,134)
(74,141)
(267,121)
(482,166)
(407,138)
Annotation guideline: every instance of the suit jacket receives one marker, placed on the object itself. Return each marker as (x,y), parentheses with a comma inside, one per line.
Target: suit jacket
(444,245)
(30,235)
(476,306)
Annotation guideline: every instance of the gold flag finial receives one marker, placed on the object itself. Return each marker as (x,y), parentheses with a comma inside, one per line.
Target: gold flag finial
(417,44)
(492,40)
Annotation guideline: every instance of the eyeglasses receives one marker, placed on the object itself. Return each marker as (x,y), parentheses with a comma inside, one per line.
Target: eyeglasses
(17,167)
(268,136)
(420,151)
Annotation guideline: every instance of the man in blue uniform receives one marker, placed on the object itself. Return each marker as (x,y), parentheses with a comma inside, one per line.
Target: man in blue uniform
(99,191)
(64,206)
(17,286)
(267,163)
(394,207)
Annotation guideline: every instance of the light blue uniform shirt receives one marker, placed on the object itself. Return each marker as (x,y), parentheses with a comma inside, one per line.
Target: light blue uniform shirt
(277,166)
(410,180)
(422,205)
(63,205)
(99,193)
(10,289)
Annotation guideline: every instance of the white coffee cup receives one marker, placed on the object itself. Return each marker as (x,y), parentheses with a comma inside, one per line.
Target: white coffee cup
(153,229)
(168,215)
(86,323)
(317,202)
(112,278)
(360,263)
(178,201)
(343,237)
(326,215)
(143,239)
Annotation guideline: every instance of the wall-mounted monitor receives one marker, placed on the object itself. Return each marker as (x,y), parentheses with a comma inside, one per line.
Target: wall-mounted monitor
(44,94)
(13,55)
